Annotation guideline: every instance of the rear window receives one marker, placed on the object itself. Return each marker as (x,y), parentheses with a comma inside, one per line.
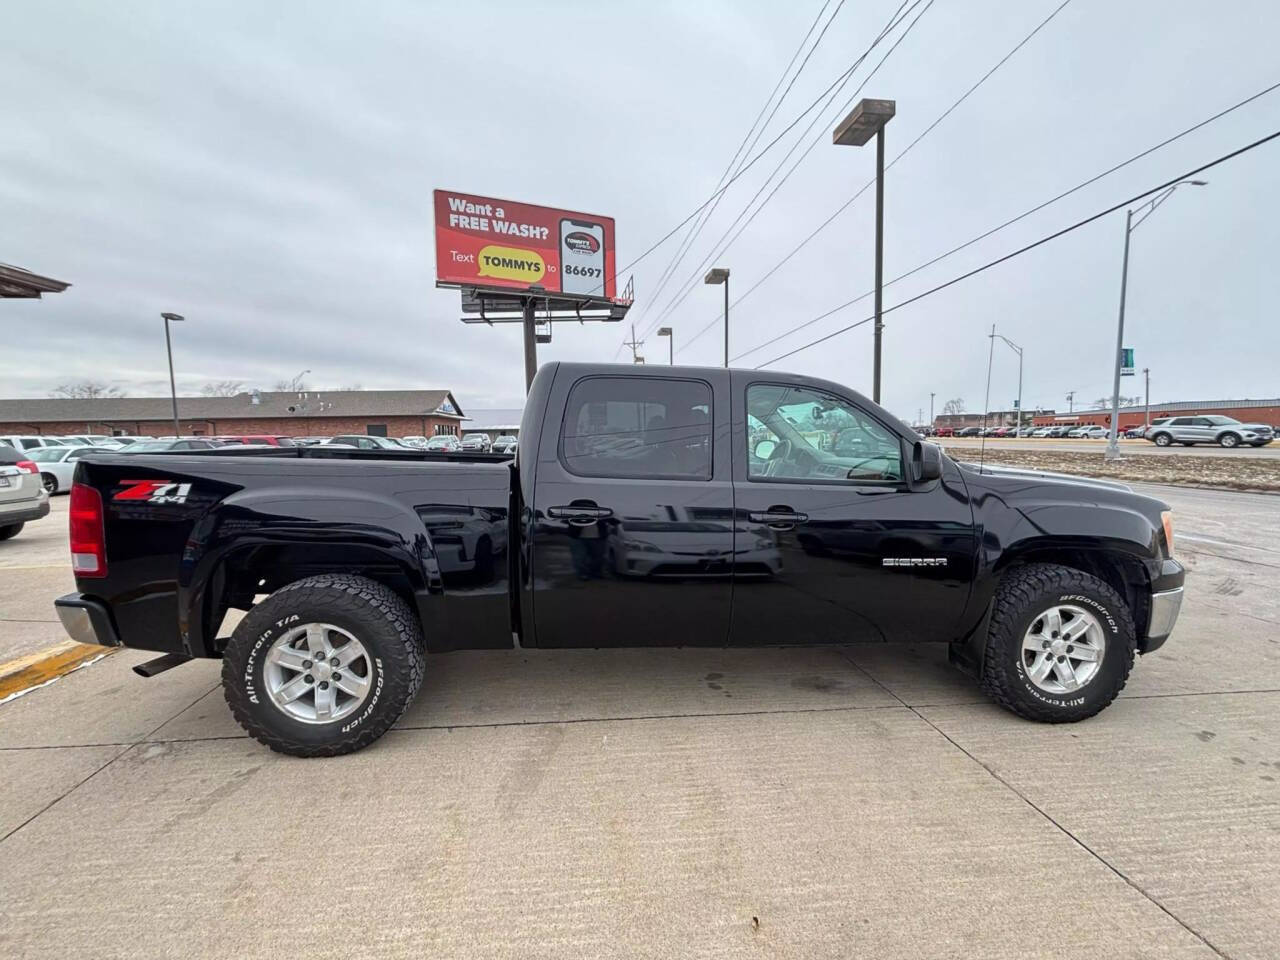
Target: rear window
(638,428)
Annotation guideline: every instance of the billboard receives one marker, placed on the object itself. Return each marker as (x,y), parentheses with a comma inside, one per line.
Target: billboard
(485,242)
(1126,361)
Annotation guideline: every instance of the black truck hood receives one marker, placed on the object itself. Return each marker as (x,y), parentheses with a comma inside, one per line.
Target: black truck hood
(1030,474)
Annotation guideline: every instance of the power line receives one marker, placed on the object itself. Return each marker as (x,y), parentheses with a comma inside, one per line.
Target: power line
(870,183)
(743,148)
(720,246)
(1021,250)
(1008,223)
(747,166)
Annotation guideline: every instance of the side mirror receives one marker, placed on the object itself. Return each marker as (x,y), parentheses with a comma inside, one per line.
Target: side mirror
(764,449)
(926,461)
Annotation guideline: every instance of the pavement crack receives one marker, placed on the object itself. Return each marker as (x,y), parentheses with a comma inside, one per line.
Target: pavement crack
(1038,809)
(120,753)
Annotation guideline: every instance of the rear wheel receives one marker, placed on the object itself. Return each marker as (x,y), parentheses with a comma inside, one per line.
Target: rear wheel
(11,531)
(1060,645)
(1162,439)
(324,666)
(50,483)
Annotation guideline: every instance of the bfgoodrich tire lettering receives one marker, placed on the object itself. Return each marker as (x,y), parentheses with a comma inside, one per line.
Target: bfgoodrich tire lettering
(387,630)
(1024,594)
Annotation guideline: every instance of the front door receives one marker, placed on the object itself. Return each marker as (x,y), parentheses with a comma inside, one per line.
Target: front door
(846,549)
(633,513)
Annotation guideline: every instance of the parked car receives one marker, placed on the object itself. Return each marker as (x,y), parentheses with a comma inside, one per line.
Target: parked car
(945,432)
(168,446)
(1094,432)
(363,442)
(417,443)
(476,442)
(256,439)
(1224,431)
(310,441)
(1041,431)
(1049,614)
(1133,433)
(444,443)
(22,496)
(505,444)
(58,465)
(24,443)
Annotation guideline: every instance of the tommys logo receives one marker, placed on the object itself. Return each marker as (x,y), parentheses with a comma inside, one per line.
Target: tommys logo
(580,242)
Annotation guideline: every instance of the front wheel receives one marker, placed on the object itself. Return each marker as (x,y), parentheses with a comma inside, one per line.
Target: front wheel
(1228,440)
(324,666)
(1060,646)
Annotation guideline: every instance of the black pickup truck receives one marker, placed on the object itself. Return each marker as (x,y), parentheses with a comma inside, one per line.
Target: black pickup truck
(676,506)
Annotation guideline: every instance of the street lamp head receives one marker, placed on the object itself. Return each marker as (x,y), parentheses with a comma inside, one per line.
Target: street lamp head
(1197,183)
(175,317)
(664,331)
(716,275)
(863,122)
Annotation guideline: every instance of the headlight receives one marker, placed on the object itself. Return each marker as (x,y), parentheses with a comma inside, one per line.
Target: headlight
(641,546)
(1166,520)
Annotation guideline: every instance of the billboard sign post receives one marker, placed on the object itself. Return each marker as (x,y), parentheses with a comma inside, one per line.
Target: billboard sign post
(1126,361)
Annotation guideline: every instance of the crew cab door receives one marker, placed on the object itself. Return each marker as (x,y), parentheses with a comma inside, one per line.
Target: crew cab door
(834,544)
(632,535)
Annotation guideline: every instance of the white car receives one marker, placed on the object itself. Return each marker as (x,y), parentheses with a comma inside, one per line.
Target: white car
(25,444)
(1041,431)
(1094,433)
(22,499)
(58,465)
(415,442)
(444,443)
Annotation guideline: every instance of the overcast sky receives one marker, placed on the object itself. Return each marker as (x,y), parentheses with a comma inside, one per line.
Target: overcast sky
(266,170)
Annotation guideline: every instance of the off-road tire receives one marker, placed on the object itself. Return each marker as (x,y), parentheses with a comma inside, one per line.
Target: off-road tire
(11,531)
(373,613)
(1024,593)
(1162,439)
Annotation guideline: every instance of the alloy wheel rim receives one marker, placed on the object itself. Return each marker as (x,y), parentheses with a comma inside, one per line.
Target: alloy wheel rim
(1063,648)
(317,673)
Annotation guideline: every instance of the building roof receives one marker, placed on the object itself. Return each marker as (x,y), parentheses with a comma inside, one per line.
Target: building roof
(271,404)
(16,282)
(1196,405)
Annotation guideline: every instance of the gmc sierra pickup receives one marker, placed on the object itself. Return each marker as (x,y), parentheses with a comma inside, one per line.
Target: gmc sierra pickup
(676,506)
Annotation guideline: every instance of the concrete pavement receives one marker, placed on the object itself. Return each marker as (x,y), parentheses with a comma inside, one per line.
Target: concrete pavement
(864,801)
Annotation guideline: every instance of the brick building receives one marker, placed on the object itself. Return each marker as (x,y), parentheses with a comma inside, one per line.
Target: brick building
(1246,411)
(312,413)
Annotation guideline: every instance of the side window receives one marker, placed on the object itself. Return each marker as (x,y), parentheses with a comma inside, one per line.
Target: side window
(638,427)
(798,434)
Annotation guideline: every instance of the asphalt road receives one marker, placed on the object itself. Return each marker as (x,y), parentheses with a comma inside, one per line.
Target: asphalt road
(1130,447)
(861,801)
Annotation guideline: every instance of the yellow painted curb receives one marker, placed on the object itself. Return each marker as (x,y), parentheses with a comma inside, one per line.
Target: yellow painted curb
(43,666)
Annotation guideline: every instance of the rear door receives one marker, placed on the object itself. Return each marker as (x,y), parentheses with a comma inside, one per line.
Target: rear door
(632,541)
(833,545)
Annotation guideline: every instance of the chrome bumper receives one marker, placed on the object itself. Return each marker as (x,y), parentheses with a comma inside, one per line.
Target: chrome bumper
(1165,607)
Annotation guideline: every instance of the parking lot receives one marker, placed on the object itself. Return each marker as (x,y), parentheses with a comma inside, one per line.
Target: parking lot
(859,801)
(1129,447)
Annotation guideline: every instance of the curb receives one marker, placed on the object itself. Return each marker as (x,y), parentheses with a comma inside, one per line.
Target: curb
(45,666)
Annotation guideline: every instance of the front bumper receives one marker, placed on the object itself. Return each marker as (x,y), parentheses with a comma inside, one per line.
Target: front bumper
(1166,604)
(86,620)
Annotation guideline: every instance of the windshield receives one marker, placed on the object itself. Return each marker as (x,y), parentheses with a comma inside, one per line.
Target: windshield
(47,454)
(436,443)
(150,446)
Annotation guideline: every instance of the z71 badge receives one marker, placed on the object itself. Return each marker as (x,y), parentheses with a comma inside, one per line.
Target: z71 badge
(153,491)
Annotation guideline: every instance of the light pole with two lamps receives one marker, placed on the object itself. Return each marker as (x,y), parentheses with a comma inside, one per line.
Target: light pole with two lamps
(1113,448)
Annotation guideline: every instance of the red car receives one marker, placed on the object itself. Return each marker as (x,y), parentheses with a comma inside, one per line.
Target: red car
(945,432)
(260,439)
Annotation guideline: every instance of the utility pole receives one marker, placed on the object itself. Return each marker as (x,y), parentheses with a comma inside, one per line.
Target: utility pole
(1146,417)
(1071,402)
(634,344)
(931,396)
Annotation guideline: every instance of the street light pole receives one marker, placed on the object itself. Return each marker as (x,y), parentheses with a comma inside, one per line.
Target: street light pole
(1146,416)
(671,344)
(168,345)
(1018,350)
(866,119)
(931,396)
(720,275)
(1113,447)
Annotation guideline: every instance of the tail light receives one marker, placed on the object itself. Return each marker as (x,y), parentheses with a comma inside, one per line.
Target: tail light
(88,539)
(27,466)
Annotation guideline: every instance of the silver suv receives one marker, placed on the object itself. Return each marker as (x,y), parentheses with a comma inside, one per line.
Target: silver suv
(1224,431)
(22,494)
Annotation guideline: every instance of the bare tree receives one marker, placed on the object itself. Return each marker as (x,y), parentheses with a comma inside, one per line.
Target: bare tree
(296,385)
(86,390)
(222,388)
(1102,403)
(349,389)
(953,406)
